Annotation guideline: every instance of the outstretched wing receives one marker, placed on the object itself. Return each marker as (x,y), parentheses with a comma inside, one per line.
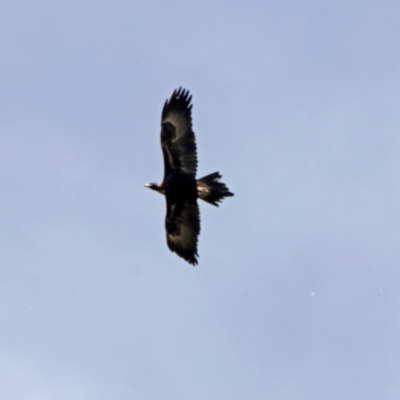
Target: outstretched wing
(177,138)
(182,225)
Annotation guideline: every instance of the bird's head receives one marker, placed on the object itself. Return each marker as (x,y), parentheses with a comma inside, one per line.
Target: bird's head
(158,187)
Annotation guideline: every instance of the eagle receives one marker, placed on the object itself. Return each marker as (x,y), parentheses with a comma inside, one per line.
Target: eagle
(180,186)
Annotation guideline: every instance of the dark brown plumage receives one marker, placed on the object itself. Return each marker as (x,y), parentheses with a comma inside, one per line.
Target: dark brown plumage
(180,187)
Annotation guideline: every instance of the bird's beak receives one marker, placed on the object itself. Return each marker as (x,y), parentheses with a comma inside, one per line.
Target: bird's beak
(147,185)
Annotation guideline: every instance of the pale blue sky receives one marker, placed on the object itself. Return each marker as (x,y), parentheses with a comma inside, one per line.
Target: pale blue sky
(296,295)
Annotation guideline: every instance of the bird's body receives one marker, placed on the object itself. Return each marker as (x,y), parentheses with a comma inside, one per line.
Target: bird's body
(180,187)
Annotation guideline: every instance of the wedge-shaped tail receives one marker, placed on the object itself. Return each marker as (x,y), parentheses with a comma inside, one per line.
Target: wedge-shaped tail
(211,190)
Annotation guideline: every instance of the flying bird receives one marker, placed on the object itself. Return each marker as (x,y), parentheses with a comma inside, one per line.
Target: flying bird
(180,186)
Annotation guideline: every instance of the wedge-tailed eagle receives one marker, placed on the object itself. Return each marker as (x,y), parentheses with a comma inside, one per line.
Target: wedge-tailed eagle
(180,187)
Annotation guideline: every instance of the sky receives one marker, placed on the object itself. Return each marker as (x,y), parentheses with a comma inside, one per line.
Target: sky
(296,295)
